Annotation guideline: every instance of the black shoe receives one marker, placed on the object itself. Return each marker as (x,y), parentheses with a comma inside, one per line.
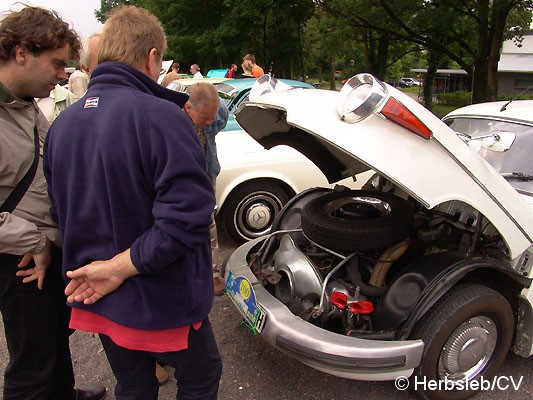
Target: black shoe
(91,392)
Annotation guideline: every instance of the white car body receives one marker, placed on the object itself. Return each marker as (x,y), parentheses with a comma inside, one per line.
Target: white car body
(314,115)
(244,162)
(372,126)
(255,183)
(514,116)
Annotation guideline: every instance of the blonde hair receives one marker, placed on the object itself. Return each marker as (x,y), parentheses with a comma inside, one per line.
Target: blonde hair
(129,35)
(247,66)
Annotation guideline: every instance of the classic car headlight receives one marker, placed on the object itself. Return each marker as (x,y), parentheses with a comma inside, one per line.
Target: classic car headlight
(359,97)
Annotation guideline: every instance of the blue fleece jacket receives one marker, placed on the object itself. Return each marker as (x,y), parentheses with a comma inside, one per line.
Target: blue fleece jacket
(126,170)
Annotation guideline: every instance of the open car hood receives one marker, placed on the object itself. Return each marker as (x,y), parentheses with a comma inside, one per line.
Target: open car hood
(422,155)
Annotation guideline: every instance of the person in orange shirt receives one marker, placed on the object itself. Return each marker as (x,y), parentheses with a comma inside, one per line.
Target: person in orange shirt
(257,71)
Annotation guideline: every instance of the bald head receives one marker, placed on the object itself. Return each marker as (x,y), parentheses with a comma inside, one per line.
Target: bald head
(203,104)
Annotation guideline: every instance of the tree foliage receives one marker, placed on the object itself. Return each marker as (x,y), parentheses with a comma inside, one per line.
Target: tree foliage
(294,37)
(468,32)
(217,33)
(107,5)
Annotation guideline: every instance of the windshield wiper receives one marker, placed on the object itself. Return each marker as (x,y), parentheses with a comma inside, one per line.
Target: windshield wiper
(517,176)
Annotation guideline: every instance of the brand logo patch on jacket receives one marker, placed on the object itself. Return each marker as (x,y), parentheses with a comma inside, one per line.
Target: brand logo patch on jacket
(91,102)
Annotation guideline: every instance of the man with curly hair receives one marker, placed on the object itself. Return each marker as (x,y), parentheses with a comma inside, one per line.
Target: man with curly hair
(35,47)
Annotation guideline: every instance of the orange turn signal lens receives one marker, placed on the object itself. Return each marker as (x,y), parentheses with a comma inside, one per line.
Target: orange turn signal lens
(401,115)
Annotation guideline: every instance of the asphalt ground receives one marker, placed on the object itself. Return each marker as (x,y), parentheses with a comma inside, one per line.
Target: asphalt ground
(254,370)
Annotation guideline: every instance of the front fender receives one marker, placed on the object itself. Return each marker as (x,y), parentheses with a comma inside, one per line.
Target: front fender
(454,270)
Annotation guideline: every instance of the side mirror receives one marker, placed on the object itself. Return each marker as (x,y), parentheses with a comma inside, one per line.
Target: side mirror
(498,141)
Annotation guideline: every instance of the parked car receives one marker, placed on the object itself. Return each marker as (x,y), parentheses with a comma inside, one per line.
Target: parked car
(502,132)
(395,82)
(217,73)
(423,273)
(237,91)
(183,84)
(255,183)
(408,82)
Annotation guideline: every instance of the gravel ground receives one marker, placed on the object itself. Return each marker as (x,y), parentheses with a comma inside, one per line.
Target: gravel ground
(255,371)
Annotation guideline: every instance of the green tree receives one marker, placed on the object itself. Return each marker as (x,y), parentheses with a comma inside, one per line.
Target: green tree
(468,32)
(272,30)
(325,44)
(107,5)
(216,33)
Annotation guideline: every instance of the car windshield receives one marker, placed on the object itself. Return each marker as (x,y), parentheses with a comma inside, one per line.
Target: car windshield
(513,163)
(232,95)
(226,91)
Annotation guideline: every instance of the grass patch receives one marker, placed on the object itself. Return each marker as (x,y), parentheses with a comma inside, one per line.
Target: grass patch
(415,90)
(440,110)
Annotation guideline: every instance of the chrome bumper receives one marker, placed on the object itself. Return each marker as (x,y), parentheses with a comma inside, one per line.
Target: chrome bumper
(339,355)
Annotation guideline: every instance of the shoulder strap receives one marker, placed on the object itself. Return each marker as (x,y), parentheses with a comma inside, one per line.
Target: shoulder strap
(22,187)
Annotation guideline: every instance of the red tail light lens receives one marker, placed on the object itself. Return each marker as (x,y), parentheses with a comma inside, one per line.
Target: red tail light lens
(362,307)
(339,300)
(399,114)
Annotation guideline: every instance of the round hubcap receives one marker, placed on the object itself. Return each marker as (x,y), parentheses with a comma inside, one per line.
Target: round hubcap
(258,216)
(255,214)
(468,349)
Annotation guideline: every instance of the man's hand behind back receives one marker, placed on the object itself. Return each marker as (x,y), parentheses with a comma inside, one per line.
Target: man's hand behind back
(42,260)
(95,280)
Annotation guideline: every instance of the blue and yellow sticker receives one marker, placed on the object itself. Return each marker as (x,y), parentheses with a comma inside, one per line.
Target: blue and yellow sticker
(241,292)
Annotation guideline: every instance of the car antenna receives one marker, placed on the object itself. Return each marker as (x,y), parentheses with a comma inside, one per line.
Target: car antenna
(504,107)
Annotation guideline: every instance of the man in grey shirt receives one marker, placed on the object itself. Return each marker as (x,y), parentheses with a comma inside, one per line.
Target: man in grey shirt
(35,47)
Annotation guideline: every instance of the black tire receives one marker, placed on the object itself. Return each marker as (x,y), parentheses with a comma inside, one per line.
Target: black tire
(250,209)
(340,220)
(467,334)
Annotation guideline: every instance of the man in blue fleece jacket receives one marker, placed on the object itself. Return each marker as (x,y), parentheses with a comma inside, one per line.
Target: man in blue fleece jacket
(129,190)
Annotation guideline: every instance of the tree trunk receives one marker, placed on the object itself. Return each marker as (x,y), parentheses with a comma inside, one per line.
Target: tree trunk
(382,56)
(301,52)
(480,85)
(428,86)
(490,42)
(332,84)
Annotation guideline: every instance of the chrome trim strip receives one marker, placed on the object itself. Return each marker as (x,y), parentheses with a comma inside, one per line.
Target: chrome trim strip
(336,361)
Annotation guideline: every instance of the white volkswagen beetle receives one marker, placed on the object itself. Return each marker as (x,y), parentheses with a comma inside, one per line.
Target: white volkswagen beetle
(423,273)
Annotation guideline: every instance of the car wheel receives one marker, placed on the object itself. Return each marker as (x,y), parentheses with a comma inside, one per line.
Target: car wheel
(357,220)
(249,211)
(467,335)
